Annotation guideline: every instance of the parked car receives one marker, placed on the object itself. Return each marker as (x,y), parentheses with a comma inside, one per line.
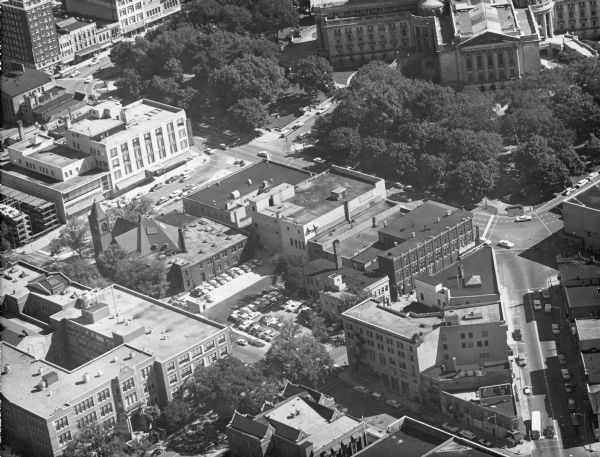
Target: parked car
(241,341)
(592,175)
(523,218)
(466,434)
(555,329)
(527,390)
(361,389)
(319,160)
(450,427)
(88,79)
(568,387)
(264,154)
(571,404)
(506,244)
(376,395)
(568,190)
(549,431)
(485,443)
(394,403)
(581,183)
(562,360)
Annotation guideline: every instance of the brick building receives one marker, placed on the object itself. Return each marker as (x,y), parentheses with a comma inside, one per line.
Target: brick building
(581,214)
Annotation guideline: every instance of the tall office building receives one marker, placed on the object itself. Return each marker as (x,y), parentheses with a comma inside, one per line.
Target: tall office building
(29,34)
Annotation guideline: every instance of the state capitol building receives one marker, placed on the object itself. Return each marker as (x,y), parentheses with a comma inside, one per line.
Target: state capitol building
(459,43)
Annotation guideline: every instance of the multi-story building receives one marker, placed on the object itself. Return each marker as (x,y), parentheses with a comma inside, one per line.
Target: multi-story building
(111,148)
(17,225)
(91,357)
(588,334)
(56,103)
(19,86)
(287,217)
(41,213)
(304,423)
(28,33)
(133,17)
(581,214)
(80,38)
(426,240)
(227,200)
(459,43)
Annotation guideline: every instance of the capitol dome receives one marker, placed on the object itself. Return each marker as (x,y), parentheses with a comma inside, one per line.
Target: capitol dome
(430,7)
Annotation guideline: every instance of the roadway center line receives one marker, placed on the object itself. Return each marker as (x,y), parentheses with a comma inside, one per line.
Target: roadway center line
(487,227)
(549,231)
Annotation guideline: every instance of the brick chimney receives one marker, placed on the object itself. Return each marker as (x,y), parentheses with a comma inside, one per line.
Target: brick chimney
(181,240)
(338,255)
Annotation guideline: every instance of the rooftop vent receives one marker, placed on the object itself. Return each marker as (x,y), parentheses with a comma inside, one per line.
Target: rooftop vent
(235,194)
(448,212)
(100,373)
(86,378)
(249,182)
(6,368)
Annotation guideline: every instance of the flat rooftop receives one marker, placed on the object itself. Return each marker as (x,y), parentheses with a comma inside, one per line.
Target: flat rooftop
(474,18)
(204,238)
(14,83)
(248,181)
(502,404)
(20,386)
(429,219)
(354,279)
(583,296)
(158,319)
(320,431)
(391,319)
(591,364)
(589,198)
(588,329)
(578,270)
(57,155)
(16,278)
(479,275)
(313,197)
(73,182)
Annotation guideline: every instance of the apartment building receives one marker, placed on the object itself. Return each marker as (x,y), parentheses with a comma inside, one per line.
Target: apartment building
(78,39)
(41,213)
(91,357)
(227,200)
(425,240)
(287,217)
(16,224)
(28,34)
(581,214)
(134,17)
(19,86)
(306,422)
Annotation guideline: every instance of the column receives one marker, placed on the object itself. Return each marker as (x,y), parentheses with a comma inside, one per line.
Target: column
(551,20)
(544,26)
(485,66)
(517,62)
(496,69)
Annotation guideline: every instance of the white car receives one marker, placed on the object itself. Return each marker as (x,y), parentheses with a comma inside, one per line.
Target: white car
(394,403)
(241,341)
(88,79)
(527,390)
(522,218)
(568,190)
(466,434)
(319,160)
(592,175)
(451,428)
(582,182)
(361,389)
(555,329)
(506,244)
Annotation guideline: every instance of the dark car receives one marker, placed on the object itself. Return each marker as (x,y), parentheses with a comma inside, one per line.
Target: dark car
(549,431)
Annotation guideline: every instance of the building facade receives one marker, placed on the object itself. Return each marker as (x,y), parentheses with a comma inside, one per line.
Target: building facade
(88,358)
(19,86)
(582,218)
(28,34)
(133,17)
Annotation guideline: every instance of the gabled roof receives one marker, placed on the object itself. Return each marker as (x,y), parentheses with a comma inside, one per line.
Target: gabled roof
(286,431)
(291,389)
(121,226)
(148,236)
(46,284)
(16,83)
(247,425)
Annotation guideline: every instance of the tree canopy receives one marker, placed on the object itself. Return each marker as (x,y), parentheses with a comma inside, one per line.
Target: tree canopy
(75,236)
(313,74)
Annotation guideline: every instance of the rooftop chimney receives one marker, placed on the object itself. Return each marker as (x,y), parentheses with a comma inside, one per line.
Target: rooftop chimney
(347,210)
(461,271)
(181,240)
(338,254)
(20,128)
(68,123)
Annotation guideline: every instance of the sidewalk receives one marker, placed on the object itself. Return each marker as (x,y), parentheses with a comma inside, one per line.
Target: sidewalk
(418,410)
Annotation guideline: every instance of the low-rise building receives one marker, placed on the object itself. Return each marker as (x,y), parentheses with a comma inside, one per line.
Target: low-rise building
(591,369)
(56,104)
(588,335)
(418,439)
(19,86)
(578,271)
(305,423)
(72,357)
(79,39)
(581,215)
(228,200)
(582,302)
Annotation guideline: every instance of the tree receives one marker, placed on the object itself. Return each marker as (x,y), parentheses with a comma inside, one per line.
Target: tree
(5,246)
(539,164)
(313,73)
(301,360)
(177,413)
(129,84)
(74,236)
(248,77)
(94,441)
(133,210)
(249,114)
(231,385)
(318,328)
(108,261)
(473,180)
(571,160)
(142,274)
(344,145)
(82,272)
(289,268)
(271,16)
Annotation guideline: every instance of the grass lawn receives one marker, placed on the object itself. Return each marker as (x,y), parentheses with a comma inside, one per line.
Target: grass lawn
(289,106)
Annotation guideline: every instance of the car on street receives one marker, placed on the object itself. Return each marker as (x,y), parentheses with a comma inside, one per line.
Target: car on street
(361,389)
(297,125)
(161,200)
(568,190)
(562,360)
(527,390)
(466,434)
(319,160)
(571,404)
(549,431)
(451,428)
(592,175)
(242,342)
(506,244)
(156,186)
(568,387)
(517,334)
(376,395)
(75,73)
(394,403)
(88,79)
(264,154)
(555,329)
(484,442)
(523,218)
(581,183)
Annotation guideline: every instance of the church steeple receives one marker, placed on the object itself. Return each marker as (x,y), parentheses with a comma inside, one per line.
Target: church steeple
(100,228)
